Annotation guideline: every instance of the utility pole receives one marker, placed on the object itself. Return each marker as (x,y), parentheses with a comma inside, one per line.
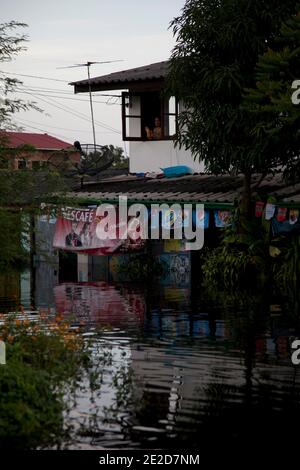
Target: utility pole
(88,64)
(91,104)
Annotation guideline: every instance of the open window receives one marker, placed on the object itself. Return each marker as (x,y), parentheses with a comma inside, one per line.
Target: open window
(22,164)
(149,116)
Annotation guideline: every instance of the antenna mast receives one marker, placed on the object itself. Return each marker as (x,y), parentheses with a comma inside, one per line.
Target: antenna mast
(91,105)
(87,65)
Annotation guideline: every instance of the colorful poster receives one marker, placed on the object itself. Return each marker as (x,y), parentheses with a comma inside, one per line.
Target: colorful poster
(222,218)
(171,218)
(294,216)
(201,218)
(177,267)
(76,230)
(154,215)
(270,211)
(281,214)
(259,208)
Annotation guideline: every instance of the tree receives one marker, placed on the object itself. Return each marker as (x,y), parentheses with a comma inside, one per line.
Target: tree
(277,117)
(213,63)
(10,45)
(120,160)
(18,189)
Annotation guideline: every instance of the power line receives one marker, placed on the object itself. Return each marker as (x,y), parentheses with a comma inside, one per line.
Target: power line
(43,130)
(53,79)
(100,123)
(63,128)
(64,92)
(73,112)
(88,64)
(63,97)
(34,76)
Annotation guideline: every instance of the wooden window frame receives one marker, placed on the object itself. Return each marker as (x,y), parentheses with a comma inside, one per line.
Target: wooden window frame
(126,95)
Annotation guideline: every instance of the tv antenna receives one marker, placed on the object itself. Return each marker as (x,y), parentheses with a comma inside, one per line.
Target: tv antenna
(87,65)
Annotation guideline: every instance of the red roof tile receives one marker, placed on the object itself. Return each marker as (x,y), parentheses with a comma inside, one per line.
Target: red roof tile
(39,141)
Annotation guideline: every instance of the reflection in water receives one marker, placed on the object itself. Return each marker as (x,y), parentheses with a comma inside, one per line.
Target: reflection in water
(179,375)
(101,303)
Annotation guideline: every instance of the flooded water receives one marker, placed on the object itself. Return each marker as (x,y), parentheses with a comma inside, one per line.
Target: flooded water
(181,374)
(175,370)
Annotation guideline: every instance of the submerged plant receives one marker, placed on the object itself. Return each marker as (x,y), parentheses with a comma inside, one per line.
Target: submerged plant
(286,266)
(45,360)
(241,258)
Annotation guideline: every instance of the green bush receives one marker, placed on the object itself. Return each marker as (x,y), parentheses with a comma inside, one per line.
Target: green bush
(45,361)
(240,260)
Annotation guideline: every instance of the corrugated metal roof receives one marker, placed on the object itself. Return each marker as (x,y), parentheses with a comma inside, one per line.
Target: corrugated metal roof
(39,141)
(200,188)
(119,80)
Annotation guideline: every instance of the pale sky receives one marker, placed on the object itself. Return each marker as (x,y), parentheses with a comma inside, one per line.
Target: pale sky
(67,32)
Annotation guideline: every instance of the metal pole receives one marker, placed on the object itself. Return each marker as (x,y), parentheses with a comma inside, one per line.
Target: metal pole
(91,105)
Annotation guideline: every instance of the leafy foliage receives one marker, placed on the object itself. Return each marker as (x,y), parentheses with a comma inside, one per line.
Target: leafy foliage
(213,63)
(13,240)
(286,266)
(277,119)
(11,45)
(44,361)
(239,261)
(17,188)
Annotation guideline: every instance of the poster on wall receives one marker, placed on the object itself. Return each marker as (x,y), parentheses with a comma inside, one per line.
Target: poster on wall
(201,218)
(223,218)
(76,230)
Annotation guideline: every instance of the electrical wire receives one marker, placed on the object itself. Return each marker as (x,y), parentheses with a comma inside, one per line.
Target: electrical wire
(61,128)
(75,113)
(67,97)
(43,130)
(65,92)
(34,76)
(55,79)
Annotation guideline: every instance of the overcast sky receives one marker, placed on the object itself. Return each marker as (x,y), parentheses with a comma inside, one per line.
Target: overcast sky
(66,32)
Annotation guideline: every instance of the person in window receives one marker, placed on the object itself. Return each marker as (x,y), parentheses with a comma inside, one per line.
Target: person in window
(156,133)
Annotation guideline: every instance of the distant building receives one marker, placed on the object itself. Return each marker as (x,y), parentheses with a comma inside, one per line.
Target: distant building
(21,150)
(149,117)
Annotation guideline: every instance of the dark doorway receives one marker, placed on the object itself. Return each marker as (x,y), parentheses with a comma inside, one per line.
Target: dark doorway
(67,267)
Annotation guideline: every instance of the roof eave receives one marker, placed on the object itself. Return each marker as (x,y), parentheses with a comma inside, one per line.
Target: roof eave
(83,87)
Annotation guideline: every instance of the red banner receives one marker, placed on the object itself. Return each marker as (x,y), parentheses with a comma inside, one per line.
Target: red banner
(76,230)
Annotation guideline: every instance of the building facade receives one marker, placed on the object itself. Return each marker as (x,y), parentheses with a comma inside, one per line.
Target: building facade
(149,117)
(24,150)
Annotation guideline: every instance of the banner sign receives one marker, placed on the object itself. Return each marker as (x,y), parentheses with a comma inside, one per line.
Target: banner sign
(76,230)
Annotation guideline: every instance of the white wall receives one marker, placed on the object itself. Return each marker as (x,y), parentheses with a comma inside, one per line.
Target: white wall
(154,155)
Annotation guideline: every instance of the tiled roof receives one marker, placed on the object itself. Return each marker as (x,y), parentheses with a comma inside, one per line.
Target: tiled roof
(39,141)
(123,79)
(192,188)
